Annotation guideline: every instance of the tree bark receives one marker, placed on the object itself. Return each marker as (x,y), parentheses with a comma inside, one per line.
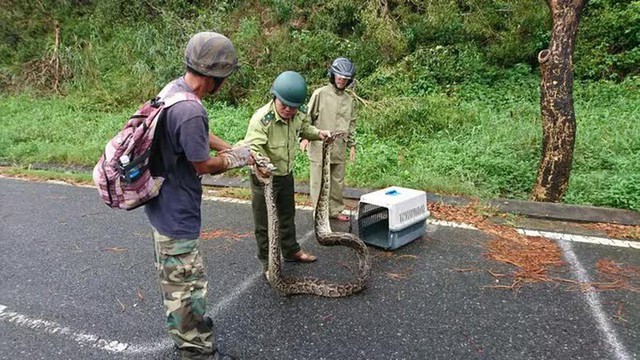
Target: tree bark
(556,102)
(56,58)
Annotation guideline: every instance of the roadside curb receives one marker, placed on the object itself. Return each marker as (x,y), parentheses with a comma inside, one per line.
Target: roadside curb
(540,210)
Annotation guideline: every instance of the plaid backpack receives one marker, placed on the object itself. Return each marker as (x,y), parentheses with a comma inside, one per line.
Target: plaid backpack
(122,175)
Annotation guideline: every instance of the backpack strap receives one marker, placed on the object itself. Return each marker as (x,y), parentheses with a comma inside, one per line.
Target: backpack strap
(161,150)
(180,96)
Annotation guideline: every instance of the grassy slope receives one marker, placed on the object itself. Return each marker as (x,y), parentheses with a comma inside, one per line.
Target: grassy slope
(479,141)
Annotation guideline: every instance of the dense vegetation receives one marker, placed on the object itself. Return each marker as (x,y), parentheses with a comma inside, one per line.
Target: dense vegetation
(448,90)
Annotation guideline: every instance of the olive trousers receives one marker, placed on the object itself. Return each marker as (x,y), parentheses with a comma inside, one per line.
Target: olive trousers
(336,186)
(286,212)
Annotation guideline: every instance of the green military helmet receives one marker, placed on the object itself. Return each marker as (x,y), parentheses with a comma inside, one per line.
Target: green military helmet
(211,54)
(290,88)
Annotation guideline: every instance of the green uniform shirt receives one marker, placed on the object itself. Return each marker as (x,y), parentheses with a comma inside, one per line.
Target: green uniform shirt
(332,109)
(277,139)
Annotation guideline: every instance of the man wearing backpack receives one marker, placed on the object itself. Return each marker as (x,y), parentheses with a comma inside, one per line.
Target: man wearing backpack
(184,142)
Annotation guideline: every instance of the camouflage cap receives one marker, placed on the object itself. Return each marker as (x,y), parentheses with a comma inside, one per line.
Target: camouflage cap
(211,54)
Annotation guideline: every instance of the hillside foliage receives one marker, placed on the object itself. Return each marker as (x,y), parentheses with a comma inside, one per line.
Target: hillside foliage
(448,90)
(117,50)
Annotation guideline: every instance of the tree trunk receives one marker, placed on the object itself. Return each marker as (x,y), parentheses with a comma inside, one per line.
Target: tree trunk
(556,102)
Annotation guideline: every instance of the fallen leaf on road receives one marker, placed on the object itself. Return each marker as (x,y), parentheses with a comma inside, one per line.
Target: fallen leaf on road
(222,233)
(616,231)
(531,256)
(620,276)
(121,304)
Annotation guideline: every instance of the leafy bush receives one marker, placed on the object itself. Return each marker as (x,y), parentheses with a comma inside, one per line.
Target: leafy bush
(444,66)
(441,23)
(413,119)
(608,45)
(336,16)
(512,31)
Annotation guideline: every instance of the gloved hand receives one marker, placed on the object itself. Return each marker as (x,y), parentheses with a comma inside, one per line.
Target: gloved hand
(237,156)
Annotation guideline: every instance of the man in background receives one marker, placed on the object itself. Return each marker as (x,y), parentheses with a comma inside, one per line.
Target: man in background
(332,108)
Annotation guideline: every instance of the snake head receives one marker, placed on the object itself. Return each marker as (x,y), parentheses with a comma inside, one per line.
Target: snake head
(262,168)
(335,135)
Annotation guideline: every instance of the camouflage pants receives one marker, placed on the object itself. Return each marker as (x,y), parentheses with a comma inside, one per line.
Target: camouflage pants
(184,289)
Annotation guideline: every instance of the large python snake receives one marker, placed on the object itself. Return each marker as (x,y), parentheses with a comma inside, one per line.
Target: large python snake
(311,285)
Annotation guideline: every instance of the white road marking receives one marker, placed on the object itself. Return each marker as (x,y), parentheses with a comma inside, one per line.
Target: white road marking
(225,199)
(242,201)
(51,327)
(528,232)
(222,305)
(451,224)
(580,238)
(149,348)
(113,346)
(246,284)
(593,300)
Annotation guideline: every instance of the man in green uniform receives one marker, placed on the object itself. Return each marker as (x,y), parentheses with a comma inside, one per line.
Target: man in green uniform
(331,108)
(273,132)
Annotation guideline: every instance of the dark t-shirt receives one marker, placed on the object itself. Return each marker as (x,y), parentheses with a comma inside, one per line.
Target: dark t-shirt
(185,138)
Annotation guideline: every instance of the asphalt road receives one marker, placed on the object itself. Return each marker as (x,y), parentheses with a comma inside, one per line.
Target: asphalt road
(77,282)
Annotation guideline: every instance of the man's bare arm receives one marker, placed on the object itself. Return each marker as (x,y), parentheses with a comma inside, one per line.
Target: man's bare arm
(213,165)
(217,144)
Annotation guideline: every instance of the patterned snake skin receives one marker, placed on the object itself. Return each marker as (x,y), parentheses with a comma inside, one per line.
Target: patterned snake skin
(310,285)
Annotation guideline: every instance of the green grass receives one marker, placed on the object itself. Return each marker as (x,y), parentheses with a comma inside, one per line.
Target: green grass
(55,130)
(470,139)
(66,176)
